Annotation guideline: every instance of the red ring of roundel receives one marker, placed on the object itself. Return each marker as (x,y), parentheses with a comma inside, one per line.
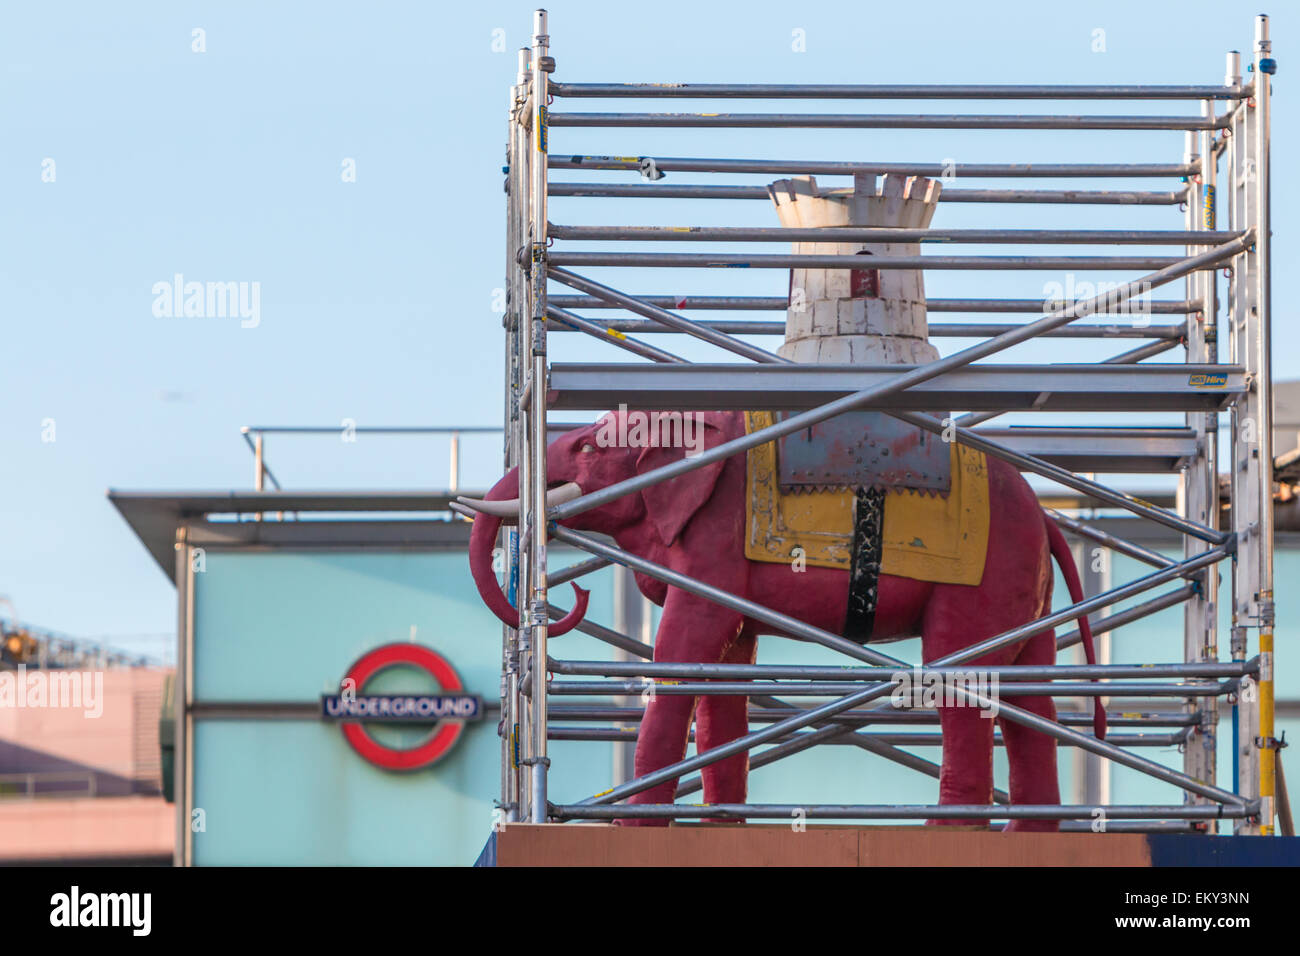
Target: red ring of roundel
(442,740)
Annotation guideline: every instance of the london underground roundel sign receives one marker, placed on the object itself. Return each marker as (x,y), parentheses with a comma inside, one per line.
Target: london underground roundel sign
(446,711)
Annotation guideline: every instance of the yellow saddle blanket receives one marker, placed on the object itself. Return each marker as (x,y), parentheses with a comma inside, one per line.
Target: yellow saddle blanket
(925,537)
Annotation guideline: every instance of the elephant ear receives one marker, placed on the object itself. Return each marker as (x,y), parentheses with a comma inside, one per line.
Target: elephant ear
(671,504)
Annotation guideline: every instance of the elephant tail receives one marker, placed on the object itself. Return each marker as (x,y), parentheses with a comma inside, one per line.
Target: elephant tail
(1061,552)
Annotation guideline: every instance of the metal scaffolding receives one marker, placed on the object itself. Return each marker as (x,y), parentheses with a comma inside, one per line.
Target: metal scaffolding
(849,704)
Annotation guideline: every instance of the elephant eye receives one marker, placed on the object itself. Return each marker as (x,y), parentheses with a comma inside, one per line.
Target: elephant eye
(587,449)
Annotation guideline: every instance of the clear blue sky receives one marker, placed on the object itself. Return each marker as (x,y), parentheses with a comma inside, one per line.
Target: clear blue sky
(376,295)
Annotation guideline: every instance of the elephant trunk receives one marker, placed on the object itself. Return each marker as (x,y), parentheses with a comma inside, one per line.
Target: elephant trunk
(482,541)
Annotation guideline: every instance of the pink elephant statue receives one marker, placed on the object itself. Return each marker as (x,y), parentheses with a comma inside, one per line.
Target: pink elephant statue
(695,523)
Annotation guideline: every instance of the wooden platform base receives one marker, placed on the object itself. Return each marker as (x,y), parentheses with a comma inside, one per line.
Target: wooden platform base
(757,845)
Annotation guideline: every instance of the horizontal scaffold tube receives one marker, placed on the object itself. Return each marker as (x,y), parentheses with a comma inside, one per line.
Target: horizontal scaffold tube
(897,739)
(952,330)
(1127,826)
(1072,197)
(881,121)
(881,715)
(707,260)
(814,167)
(780,303)
(952,811)
(1130,237)
(720,688)
(871,91)
(809,672)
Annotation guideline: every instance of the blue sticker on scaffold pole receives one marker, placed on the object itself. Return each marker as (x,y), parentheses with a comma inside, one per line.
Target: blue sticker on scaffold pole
(1207,206)
(513,586)
(541,129)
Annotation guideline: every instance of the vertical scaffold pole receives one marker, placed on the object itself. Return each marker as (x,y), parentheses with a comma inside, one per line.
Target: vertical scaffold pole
(515,323)
(1262,363)
(1198,489)
(1241,292)
(1234,157)
(535,500)
(1252,444)
(507,441)
(523,336)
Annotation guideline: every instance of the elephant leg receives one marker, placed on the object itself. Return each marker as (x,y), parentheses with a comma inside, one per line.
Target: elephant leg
(1030,753)
(966,774)
(720,720)
(662,740)
(690,630)
(955,621)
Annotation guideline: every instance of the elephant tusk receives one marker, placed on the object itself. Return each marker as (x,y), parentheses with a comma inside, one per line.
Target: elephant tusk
(565,493)
(509,508)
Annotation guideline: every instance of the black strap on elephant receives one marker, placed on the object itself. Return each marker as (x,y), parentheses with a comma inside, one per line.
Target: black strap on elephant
(864,568)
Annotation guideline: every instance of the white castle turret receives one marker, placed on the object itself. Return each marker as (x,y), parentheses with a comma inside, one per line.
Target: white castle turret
(842,316)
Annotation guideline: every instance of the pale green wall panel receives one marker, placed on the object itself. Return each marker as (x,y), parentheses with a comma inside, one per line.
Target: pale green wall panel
(284,626)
